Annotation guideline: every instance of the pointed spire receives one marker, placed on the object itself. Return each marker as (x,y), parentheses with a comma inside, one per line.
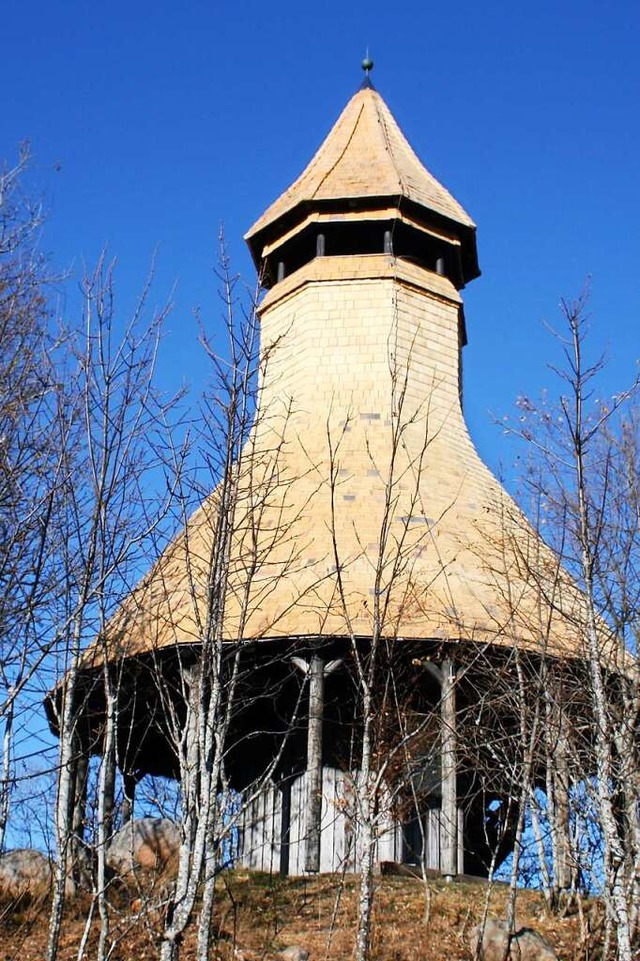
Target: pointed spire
(364,158)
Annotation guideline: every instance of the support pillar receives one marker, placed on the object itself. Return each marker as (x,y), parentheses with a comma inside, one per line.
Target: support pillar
(563,870)
(109,793)
(129,782)
(285,829)
(316,672)
(80,796)
(448,747)
(314,764)
(79,858)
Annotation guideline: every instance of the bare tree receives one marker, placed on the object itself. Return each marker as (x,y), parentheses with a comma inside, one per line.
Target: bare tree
(209,685)
(588,454)
(29,461)
(387,731)
(107,418)
(216,571)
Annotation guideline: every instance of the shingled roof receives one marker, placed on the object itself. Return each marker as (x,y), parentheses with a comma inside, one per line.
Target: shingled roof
(320,482)
(360,480)
(365,155)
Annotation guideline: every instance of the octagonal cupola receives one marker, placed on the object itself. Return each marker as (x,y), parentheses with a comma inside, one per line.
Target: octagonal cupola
(365,192)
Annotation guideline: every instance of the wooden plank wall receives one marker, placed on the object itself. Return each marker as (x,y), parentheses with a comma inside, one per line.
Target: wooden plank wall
(260,826)
(259,831)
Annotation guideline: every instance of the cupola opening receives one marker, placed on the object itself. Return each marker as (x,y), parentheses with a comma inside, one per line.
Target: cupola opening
(355,237)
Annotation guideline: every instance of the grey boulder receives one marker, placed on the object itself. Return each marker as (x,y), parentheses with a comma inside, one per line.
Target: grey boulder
(148,843)
(524,944)
(24,871)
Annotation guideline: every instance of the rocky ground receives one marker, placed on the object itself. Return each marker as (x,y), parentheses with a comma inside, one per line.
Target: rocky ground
(258,916)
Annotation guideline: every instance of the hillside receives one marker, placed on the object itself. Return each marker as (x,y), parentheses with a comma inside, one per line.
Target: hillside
(260,915)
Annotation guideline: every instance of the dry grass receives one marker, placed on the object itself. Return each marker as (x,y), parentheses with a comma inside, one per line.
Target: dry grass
(258,915)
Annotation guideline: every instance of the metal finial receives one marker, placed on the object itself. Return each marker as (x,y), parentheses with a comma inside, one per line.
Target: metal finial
(367,66)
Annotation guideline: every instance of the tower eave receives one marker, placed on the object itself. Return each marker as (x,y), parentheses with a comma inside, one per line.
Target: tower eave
(267,237)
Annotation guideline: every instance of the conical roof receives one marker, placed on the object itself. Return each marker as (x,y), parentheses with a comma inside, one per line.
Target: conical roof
(360,484)
(365,155)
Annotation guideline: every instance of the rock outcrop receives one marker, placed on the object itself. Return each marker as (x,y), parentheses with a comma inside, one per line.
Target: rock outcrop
(524,944)
(24,871)
(294,953)
(150,844)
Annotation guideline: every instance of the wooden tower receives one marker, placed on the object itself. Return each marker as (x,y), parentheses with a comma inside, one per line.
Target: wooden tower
(365,513)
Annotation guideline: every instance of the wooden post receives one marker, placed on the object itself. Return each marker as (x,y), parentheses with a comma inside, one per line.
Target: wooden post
(285,829)
(109,793)
(449,810)
(79,860)
(314,764)
(563,873)
(128,796)
(80,796)
(315,670)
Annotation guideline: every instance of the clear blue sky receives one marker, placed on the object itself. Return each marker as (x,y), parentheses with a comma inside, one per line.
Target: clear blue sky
(152,123)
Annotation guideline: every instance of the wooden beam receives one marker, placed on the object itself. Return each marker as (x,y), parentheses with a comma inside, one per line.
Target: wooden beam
(129,782)
(314,763)
(80,796)
(285,827)
(315,670)
(79,860)
(109,793)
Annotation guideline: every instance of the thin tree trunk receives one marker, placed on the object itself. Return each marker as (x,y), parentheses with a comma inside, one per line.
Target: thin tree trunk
(614,853)
(547,886)
(528,740)
(5,776)
(192,842)
(365,832)
(63,816)
(106,790)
